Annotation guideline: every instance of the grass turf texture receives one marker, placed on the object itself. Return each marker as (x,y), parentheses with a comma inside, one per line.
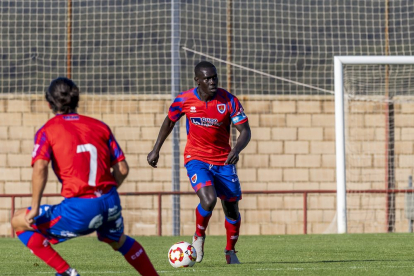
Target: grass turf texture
(351,254)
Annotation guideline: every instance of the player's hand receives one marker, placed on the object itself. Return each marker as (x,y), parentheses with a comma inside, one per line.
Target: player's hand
(29,217)
(152,158)
(232,158)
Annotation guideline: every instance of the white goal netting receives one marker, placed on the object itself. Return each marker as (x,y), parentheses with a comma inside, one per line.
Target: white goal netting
(379,145)
(276,56)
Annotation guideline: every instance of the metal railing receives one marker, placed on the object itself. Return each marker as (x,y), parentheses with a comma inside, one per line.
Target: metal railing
(160,194)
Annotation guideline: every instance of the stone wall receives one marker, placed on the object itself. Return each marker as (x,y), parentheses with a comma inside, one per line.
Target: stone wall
(292,148)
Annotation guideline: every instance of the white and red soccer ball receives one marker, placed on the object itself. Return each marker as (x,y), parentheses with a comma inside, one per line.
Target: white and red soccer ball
(182,254)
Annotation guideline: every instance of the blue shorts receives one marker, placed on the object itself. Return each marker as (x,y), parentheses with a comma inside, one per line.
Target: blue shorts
(75,217)
(223,178)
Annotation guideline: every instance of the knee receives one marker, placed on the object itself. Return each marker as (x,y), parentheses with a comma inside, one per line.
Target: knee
(231,210)
(232,214)
(208,203)
(17,220)
(115,244)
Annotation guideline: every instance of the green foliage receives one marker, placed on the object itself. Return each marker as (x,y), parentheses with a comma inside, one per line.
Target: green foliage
(355,254)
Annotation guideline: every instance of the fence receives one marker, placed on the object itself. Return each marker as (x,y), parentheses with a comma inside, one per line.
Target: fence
(303,192)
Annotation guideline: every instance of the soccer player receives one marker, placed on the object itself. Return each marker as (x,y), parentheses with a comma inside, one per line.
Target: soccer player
(208,157)
(83,151)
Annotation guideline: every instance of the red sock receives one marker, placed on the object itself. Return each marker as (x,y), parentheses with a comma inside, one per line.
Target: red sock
(42,249)
(136,256)
(202,219)
(232,232)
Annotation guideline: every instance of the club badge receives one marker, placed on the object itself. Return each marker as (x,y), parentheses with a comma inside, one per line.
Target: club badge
(221,108)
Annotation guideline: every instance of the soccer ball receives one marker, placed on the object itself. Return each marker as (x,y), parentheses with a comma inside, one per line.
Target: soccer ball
(182,254)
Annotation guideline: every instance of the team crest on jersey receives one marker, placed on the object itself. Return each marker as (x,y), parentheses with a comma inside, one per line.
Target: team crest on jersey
(221,108)
(194,178)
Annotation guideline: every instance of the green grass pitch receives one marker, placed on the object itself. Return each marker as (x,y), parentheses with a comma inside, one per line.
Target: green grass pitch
(348,254)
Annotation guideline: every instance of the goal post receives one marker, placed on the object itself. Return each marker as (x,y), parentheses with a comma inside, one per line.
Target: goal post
(339,63)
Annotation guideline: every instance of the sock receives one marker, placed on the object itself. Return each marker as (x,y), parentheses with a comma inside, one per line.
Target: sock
(40,246)
(135,255)
(232,232)
(202,219)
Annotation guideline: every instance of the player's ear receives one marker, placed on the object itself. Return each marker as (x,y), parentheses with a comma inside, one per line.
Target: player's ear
(196,80)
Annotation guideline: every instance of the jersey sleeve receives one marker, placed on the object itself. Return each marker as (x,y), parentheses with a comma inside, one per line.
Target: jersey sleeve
(116,153)
(237,114)
(176,109)
(42,148)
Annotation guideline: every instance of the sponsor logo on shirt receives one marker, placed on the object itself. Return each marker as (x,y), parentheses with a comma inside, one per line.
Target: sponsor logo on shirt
(207,122)
(70,117)
(194,178)
(221,108)
(193,109)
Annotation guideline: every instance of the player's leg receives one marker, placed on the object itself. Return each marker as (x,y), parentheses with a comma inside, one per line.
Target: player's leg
(229,191)
(202,181)
(39,244)
(204,210)
(232,225)
(112,232)
(133,253)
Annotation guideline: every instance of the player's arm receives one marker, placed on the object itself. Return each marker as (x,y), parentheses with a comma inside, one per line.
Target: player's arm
(39,179)
(120,171)
(241,143)
(165,130)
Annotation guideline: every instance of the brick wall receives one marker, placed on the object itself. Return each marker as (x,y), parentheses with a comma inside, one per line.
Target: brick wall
(292,148)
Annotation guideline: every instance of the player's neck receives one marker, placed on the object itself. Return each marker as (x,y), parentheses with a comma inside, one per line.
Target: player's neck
(69,112)
(204,96)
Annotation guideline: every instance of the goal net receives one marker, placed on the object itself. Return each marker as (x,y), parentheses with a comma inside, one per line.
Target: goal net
(275,56)
(378,107)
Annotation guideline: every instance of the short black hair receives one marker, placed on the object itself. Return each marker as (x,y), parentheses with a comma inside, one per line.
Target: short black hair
(203,64)
(63,95)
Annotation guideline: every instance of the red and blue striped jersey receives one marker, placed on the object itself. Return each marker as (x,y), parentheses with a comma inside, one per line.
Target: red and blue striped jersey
(208,124)
(82,151)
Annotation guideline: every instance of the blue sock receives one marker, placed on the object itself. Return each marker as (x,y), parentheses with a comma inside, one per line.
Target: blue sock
(127,245)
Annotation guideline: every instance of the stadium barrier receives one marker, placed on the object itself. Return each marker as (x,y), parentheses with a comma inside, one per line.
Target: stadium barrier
(160,194)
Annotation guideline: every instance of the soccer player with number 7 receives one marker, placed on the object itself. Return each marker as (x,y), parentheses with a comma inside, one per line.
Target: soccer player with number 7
(208,157)
(83,151)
